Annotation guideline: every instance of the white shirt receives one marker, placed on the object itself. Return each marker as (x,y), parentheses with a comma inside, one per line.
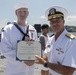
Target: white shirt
(45,37)
(9,39)
(63,50)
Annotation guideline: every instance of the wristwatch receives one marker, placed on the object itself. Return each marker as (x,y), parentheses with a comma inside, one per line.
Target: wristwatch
(46,64)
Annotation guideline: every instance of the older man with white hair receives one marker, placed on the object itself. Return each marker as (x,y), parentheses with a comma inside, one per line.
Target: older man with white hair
(11,34)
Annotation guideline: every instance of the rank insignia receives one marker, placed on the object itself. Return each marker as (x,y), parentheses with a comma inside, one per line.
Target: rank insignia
(59,50)
(52,11)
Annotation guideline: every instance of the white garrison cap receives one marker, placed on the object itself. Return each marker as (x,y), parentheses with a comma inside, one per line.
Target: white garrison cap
(57,9)
(21,5)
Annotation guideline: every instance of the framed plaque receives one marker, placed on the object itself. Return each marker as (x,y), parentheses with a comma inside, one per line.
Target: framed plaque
(26,50)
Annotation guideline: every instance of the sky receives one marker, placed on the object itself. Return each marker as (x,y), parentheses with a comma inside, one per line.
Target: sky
(37,10)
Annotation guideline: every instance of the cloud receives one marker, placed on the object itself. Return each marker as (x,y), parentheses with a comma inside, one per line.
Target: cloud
(43,17)
(71,19)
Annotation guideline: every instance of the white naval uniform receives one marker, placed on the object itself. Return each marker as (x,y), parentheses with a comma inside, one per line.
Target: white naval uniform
(10,36)
(63,50)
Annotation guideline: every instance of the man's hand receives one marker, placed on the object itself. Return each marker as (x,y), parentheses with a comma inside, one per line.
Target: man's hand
(39,60)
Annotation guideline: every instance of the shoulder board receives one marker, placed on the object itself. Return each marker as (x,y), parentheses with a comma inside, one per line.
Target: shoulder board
(71,36)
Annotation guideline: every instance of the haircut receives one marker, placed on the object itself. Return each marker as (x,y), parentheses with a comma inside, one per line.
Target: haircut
(44,26)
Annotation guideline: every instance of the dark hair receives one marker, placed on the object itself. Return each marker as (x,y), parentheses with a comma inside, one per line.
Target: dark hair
(44,26)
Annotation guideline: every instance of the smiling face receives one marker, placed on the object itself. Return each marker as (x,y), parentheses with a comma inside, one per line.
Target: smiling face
(22,14)
(57,24)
